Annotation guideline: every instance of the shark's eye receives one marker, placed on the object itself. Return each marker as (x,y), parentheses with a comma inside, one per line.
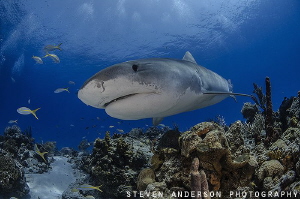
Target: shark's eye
(135,67)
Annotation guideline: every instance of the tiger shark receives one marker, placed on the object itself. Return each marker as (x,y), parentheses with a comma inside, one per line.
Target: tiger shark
(154,88)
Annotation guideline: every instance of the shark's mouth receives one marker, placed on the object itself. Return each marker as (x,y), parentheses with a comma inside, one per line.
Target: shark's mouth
(120,98)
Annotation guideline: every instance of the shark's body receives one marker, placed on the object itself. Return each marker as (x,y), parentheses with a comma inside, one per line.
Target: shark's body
(154,88)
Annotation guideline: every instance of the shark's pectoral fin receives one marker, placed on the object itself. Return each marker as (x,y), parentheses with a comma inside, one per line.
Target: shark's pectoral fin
(189,57)
(157,120)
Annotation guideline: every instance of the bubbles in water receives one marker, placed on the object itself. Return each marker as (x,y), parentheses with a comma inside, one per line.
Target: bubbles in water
(18,66)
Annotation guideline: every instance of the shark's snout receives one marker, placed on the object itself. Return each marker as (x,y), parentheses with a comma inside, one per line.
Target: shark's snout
(91,93)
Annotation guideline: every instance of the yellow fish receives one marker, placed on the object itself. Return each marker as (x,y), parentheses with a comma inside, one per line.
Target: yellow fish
(52,48)
(59,90)
(53,57)
(42,154)
(37,59)
(27,111)
(89,187)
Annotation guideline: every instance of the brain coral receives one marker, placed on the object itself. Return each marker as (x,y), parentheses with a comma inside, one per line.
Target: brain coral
(270,168)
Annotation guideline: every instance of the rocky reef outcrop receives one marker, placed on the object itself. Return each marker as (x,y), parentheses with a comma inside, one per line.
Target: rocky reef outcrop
(116,161)
(206,144)
(17,158)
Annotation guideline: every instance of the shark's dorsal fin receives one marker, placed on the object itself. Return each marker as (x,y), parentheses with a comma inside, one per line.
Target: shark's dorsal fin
(189,57)
(157,120)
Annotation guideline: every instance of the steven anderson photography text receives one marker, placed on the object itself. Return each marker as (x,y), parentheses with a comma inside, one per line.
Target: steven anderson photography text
(213,194)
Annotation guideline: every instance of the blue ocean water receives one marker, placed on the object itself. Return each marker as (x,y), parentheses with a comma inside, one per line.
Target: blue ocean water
(241,40)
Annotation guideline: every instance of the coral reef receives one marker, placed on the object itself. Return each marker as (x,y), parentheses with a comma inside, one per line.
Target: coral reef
(115,163)
(17,159)
(12,180)
(205,146)
(289,112)
(261,154)
(243,157)
(249,111)
(84,145)
(20,146)
(269,121)
(278,157)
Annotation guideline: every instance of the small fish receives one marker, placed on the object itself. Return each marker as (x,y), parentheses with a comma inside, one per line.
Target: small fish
(13,121)
(120,130)
(52,48)
(27,111)
(98,118)
(72,125)
(111,126)
(37,59)
(53,57)
(74,190)
(29,101)
(71,83)
(13,80)
(89,197)
(89,187)
(42,154)
(59,90)
(13,198)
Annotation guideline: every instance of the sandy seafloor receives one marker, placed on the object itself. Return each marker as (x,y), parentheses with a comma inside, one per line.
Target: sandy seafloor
(52,184)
